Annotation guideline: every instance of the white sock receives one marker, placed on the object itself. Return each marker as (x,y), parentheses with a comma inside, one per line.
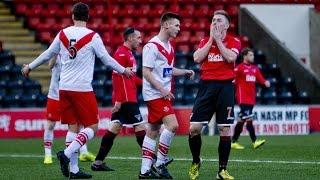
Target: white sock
(47,141)
(148,150)
(84,149)
(71,136)
(164,145)
(81,139)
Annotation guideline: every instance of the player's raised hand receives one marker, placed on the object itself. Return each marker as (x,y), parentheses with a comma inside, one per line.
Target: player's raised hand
(217,32)
(190,74)
(25,70)
(166,94)
(267,84)
(128,72)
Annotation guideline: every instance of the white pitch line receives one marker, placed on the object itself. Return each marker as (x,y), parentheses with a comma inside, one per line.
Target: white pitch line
(176,159)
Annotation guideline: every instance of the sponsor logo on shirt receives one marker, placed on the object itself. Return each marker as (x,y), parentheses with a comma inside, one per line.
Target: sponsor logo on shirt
(215,57)
(250,78)
(167,72)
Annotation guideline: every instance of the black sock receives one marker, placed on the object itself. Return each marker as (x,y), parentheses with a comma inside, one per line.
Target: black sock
(140,136)
(195,147)
(237,131)
(106,144)
(224,151)
(252,133)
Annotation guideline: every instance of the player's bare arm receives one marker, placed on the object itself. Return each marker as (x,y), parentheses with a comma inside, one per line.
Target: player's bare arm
(183,72)
(146,71)
(116,107)
(228,54)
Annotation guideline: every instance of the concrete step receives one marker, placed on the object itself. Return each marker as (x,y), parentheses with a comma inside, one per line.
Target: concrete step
(23,46)
(40,74)
(24,60)
(7,18)
(18,39)
(25,53)
(14,32)
(4,11)
(11,25)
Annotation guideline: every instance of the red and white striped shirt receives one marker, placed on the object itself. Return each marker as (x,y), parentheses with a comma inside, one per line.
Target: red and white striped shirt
(78,47)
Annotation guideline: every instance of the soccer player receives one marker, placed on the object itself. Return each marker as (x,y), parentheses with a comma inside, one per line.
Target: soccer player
(217,55)
(78,47)
(124,96)
(54,113)
(158,59)
(246,76)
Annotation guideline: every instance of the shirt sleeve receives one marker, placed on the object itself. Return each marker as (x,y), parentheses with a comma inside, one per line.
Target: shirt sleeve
(260,77)
(235,46)
(104,56)
(53,50)
(149,55)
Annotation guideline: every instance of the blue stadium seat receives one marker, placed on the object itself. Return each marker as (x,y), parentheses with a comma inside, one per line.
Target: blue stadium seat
(289,83)
(270,97)
(108,86)
(16,87)
(3,88)
(7,55)
(29,100)
(260,57)
(190,95)
(107,100)
(11,101)
(15,73)
(31,87)
(258,97)
(179,80)
(98,89)
(285,98)
(303,98)
(179,95)
(41,100)
(100,73)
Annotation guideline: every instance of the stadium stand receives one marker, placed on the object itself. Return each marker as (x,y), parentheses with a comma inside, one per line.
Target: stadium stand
(47,17)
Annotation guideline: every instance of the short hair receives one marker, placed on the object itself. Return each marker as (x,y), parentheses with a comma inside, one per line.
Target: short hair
(127,32)
(80,12)
(167,16)
(224,13)
(245,52)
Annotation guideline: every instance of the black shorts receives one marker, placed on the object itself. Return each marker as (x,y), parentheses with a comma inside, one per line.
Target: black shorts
(128,114)
(214,97)
(245,111)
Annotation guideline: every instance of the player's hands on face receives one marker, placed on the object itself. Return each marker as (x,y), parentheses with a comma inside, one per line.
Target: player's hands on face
(267,84)
(217,32)
(166,94)
(211,31)
(190,74)
(116,107)
(128,72)
(25,70)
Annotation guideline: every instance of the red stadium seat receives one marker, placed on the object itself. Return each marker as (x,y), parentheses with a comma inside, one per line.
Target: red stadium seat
(21,8)
(33,22)
(45,37)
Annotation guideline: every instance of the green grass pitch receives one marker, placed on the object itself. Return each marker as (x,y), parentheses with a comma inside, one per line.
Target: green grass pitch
(282,157)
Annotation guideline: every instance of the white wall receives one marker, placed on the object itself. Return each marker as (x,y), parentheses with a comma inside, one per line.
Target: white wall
(289,23)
